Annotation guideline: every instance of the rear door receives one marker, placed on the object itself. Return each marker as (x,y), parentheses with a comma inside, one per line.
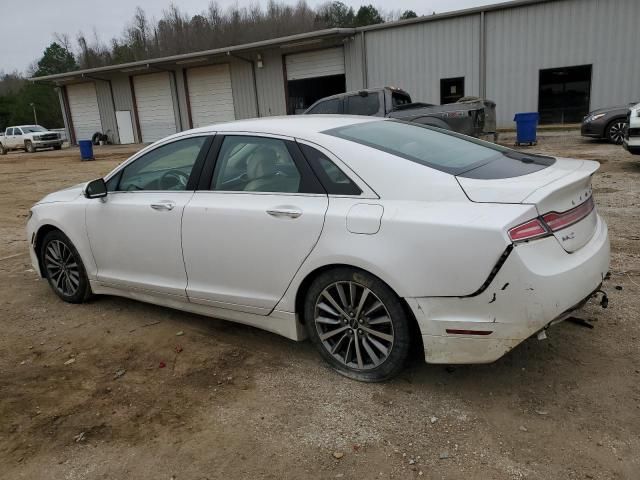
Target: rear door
(16,138)
(257,217)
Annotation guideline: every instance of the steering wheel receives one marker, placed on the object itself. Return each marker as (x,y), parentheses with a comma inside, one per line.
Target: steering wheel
(172,179)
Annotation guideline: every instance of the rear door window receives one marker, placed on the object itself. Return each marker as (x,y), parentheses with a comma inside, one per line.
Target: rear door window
(363,104)
(334,180)
(327,107)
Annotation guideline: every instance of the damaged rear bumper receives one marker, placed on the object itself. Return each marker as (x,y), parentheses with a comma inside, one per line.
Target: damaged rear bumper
(539,284)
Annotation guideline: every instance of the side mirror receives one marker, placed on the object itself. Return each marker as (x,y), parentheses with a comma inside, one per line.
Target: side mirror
(96,189)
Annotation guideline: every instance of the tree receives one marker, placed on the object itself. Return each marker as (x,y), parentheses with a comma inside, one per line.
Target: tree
(336,14)
(368,15)
(56,59)
(408,14)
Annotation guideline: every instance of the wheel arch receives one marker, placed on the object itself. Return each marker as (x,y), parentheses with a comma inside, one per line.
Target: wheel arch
(42,232)
(304,285)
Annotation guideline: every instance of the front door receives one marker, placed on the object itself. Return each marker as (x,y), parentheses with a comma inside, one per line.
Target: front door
(247,234)
(135,231)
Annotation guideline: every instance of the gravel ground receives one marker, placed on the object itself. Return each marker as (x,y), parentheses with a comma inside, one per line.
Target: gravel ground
(83,395)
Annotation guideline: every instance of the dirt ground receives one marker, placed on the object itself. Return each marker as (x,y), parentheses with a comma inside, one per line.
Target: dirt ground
(237,402)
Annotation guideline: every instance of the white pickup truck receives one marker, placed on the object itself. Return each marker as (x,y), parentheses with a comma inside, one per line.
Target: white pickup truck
(29,138)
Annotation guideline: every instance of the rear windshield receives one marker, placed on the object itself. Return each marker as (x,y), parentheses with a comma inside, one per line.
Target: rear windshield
(437,148)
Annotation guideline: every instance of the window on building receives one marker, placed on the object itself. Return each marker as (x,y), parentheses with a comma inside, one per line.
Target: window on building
(451,90)
(564,94)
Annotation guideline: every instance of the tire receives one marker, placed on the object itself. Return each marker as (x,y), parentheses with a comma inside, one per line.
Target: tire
(368,352)
(615,131)
(3,151)
(28,146)
(64,269)
(57,147)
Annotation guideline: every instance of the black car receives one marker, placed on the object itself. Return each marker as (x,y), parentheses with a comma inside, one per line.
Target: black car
(608,123)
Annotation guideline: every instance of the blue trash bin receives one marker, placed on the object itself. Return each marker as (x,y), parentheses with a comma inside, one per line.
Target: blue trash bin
(86,149)
(526,127)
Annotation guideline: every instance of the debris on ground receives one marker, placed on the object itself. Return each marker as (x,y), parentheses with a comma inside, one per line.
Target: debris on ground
(338,455)
(444,455)
(162,365)
(70,361)
(119,373)
(80,437)
(180,333)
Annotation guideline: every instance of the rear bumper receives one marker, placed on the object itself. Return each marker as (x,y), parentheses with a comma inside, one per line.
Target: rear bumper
(538,284)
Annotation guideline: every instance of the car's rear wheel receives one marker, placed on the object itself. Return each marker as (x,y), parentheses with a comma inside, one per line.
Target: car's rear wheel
(3,150)
(57,147)
(615,131)
(358,324)
(28,146)
(64,268)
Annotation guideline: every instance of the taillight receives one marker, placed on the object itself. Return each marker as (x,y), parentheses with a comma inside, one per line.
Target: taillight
(528,231)
(557,221)
(550,222)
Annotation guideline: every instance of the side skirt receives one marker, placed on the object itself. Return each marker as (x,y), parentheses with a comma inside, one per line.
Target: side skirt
(279,322)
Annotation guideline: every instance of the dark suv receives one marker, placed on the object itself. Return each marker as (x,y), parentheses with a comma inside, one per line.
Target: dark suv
(608,123)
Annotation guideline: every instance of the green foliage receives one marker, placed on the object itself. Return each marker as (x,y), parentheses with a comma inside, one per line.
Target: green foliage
(17,93)
(368,15)
(56,59)
(336,14)
(408,14)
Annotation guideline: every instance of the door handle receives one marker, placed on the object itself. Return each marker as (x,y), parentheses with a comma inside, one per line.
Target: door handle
(289,212)
(164,205)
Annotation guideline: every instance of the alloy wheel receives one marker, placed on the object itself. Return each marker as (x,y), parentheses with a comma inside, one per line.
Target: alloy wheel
(616,132)
(354,325)
(62,268)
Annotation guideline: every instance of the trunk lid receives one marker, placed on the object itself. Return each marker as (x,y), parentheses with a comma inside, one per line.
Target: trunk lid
(562,187)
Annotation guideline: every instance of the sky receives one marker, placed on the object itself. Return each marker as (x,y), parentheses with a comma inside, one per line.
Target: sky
(29,27)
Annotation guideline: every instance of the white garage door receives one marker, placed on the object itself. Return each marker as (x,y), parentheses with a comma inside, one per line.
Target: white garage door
(210,95)
(319,63)
(83,104)
(155,106)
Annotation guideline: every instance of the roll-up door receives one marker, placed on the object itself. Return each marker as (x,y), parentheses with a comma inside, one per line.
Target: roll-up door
(83,105)
(155,106)
(210,95)
(317,63)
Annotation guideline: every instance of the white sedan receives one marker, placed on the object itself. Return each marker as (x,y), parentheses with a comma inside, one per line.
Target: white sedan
(364,234)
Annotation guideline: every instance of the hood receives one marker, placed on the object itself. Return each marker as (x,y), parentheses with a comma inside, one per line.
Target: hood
(622,108)
(65,195)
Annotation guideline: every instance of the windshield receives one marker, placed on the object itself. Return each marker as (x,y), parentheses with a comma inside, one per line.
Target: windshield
(434,147)
(33,129)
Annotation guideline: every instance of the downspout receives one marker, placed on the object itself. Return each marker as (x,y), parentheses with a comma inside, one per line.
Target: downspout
(253,74)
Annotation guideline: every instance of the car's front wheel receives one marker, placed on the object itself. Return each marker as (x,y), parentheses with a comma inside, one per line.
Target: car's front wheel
(28,146)
(64,268)
(615,131)
(358,324)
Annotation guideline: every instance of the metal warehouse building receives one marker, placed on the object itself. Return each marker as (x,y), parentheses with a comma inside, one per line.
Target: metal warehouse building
(559,57)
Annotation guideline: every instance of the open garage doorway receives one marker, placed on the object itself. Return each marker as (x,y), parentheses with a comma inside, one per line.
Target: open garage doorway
(564,94)
(313,75)
(304,93)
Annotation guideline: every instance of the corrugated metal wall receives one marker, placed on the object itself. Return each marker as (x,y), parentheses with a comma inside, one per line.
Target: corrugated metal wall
(521,41)
(107,113)
(244,98)
(270,81)
(353,63)
(415,57)
(123,98)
